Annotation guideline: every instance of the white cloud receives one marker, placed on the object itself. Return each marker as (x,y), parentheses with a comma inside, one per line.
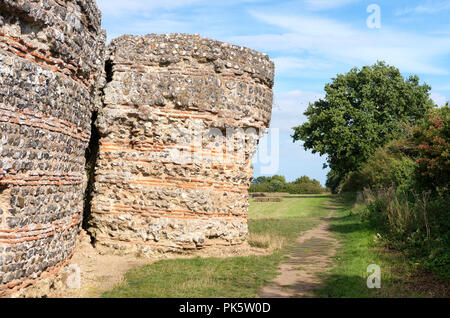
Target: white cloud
(289,108)
(442,87)
(121,7)
(317,5)
(439,99)
(294,160)
(163,24)
(291,65)
(145,7)
(429,8)
(333,41)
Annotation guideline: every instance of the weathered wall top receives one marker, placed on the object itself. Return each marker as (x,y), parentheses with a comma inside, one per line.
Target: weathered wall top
(246,76)
(68,32)
(172,48)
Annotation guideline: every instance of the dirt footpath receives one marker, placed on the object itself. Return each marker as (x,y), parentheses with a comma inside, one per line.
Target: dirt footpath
(312,255)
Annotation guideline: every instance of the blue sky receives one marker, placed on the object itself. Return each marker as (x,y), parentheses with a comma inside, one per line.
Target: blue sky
(310,41)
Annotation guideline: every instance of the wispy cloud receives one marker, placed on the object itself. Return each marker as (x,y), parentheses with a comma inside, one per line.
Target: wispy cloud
(334,41)
(121,7)
(163,24)
(319,5)
(442,87)
(289,108)
(286,65)
(429,8)
(206,17)
(439,99)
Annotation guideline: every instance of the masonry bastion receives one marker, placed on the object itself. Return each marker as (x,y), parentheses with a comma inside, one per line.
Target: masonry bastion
(180,123)
(146,143)
(51,53)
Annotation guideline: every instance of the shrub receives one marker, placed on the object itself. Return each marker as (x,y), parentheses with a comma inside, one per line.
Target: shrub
(262,187)
(276,186)
(433,144)
(257,195)
(304,185)
(415,222)
(295,188)
(388,167)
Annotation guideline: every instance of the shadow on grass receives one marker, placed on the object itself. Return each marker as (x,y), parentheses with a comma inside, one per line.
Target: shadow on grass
(396,286)
(346,228)
(347,286)
(335,218)
(294,290)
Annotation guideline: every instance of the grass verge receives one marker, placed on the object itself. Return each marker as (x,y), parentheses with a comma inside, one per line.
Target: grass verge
(273,225)
(360,247)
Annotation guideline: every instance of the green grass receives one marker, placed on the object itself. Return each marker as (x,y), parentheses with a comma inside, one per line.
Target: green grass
(272,224)
(199,278)
(360,248)
(304,206)
(276,225)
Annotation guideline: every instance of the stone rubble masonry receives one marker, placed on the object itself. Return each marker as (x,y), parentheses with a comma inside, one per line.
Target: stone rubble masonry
(163,91)
(51,56)
(158,187)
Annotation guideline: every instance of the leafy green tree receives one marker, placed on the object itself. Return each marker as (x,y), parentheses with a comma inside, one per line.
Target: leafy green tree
(282,179)
(275,185)
(362,110)
(261,180)
(307,180)
(333,180)
(278,183)
(390,166)
(302,188)
(261,187)
(268,184)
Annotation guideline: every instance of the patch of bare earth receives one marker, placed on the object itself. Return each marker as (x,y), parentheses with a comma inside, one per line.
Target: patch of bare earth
(312,255)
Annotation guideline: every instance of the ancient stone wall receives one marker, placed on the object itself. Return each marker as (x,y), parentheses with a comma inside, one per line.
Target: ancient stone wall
(51,52)
(181,119)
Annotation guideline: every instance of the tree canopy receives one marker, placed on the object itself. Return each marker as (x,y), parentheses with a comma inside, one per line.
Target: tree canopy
(361,111)
(263,179)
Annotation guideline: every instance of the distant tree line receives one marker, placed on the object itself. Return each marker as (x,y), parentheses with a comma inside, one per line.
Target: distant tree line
(277,183)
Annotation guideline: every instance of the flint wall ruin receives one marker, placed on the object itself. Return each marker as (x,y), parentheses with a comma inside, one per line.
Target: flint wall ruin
(51,53)
(180,123)
(157,187)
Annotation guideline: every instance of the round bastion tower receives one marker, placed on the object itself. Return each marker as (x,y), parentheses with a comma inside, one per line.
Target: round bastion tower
(51,55)
(181,119)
